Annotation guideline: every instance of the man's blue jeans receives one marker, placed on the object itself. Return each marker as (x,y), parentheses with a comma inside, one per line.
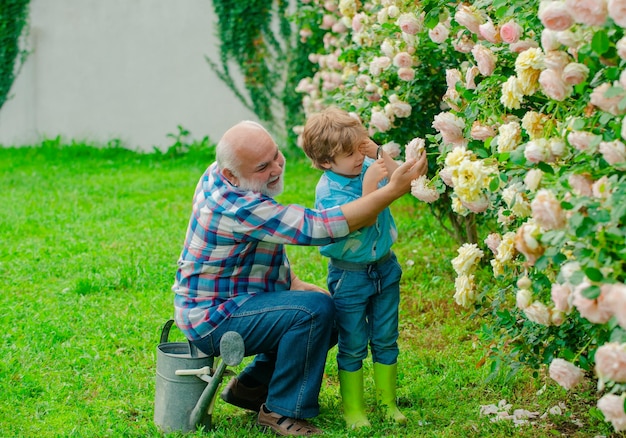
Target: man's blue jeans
(289,332)
(366,301)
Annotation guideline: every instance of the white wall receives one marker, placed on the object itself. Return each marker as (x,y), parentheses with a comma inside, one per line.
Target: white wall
(119,69)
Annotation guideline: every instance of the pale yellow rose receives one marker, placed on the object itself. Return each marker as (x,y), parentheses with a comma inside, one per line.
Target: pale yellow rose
(512,95)
(466,262)
(465,294)
(538,313)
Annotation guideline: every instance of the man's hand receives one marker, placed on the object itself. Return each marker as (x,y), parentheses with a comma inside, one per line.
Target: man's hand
(407,172)
(297,284)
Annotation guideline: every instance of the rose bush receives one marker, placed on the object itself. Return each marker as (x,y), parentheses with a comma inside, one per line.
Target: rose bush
(527,135)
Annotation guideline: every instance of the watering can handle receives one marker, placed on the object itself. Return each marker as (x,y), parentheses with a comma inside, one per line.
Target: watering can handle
(165,333)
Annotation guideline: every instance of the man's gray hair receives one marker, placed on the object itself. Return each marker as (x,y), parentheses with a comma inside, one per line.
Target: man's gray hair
(224,151)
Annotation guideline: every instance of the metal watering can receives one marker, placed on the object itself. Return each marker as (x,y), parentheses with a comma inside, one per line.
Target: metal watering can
(187,382)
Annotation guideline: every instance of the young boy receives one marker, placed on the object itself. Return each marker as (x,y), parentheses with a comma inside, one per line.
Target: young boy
(363,272)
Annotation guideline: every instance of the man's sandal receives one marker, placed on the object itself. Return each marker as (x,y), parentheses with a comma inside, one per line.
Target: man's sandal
(286,426)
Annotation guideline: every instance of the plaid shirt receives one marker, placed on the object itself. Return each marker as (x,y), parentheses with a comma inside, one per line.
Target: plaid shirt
(234,249)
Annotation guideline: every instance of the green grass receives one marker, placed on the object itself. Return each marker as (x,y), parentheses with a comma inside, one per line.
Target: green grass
(89,240)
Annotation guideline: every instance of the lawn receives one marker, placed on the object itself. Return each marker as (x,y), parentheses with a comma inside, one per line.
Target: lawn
(89,239)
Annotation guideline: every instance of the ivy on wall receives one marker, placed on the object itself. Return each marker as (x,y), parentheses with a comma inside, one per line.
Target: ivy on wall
(257,37)
(13,27)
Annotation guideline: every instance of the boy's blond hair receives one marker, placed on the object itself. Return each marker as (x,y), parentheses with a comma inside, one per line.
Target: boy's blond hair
(329,133)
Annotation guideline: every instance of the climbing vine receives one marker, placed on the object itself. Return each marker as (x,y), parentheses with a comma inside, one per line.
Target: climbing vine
(258,37)
(13,27)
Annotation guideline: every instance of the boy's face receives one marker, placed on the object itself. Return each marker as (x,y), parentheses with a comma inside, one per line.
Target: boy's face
(350,164)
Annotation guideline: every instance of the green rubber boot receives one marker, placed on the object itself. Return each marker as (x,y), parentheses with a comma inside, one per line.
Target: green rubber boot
(385,380)
(351,388)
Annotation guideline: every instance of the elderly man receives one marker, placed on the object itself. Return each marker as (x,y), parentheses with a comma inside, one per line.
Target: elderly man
(233,274)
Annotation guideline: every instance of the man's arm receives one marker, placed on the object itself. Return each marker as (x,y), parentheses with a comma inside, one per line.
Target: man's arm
(361,212)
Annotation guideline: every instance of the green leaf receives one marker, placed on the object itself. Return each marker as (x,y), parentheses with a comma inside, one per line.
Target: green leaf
(545,167)
(432,18)
(600,42)
(494,184)
(578,125)
(591,293)
(594,274)
(559,259)
(587,226)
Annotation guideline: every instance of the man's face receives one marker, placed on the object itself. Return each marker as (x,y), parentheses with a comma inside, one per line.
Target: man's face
(268,182)
(262,169)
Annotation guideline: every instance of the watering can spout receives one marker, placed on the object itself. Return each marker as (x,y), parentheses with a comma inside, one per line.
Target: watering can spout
(232,351)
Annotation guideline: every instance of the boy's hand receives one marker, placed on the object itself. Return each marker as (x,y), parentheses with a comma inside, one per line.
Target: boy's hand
(373,175)
(370,149)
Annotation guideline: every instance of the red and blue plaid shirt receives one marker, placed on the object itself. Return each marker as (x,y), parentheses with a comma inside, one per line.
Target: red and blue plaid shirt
(234,249)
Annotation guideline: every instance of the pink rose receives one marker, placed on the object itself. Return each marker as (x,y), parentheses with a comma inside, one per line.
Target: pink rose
(613,152)
(380,121)
(421,190)
(481,132)
(510,32)
(357,21)
(414,148)
(493,241)
(403,59)
(470,77)
(589,12)
(485,59)
(392,148)
(547,211)
(526,242)
(469,17)
(549,40)
(601,188)
(439,33)
(575,73)
(523,45)
(581,184)
(611,362)
(489,32)
(565,373)
(406,74)
(593,310)
(537,312)
(479,205)
(339,27)
(453,76)
(556,60)
(581,140)
(621,48)
(450,126)
(400,109)
(327,22)
(409,24)
(615,297)
(446,176)
(617,11)
(553,86)
(612,406)
(609,104)
(463,43)
(561,297)
(554,15)
(538,150)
